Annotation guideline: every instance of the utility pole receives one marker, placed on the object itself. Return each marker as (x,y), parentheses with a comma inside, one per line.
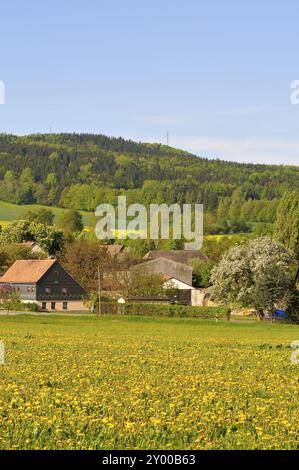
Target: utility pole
(99,290)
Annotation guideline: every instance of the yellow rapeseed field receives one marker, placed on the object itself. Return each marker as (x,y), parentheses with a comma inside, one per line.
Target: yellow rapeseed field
(144,383)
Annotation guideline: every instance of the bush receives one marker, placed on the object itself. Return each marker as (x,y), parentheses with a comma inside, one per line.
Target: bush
(12,306)
(19,306)
(31,307)
(170,310)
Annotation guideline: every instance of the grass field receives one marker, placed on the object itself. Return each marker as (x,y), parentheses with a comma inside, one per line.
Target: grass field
(130,382)
(10,212)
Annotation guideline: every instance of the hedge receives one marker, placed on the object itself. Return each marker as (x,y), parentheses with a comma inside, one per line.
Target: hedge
(168,310)
(19,307)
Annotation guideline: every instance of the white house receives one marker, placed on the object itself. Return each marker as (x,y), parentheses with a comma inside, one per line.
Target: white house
(174,283)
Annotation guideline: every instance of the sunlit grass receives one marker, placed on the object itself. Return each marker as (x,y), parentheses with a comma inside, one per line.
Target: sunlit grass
(10,212)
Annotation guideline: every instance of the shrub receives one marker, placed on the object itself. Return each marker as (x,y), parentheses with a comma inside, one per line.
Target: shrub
(19,306)
(170,310)
(31,307)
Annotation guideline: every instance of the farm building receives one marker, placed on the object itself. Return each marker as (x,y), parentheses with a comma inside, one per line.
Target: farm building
(46,283)
(173,265)
(168,268)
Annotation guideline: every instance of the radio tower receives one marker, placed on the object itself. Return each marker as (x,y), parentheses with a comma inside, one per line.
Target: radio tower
(167,138)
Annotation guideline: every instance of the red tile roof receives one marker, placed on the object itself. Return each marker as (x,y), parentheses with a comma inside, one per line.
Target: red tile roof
(24,271)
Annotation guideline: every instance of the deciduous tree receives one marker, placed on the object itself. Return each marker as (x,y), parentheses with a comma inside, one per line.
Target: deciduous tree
(258,274)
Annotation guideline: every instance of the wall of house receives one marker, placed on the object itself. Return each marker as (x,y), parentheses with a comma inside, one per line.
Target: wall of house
(72,306)
(200,298)
(197,298)
(184,296)
(26,291)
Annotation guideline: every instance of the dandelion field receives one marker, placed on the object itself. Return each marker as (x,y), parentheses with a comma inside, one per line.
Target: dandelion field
(147,383)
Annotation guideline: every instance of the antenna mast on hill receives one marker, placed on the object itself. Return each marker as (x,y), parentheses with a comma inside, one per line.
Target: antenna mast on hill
(167,138)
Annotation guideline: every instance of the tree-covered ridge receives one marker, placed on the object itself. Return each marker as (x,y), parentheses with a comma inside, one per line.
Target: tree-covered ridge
(81,170)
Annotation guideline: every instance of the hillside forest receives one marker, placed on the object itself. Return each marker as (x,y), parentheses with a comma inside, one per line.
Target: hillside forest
(80,171)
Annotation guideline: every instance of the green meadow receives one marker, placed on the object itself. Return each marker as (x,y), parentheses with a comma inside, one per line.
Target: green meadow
(10,212)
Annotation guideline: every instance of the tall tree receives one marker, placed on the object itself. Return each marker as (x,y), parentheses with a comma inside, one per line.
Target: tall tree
(42,216)
(82,259)
(70,221)
(286,228)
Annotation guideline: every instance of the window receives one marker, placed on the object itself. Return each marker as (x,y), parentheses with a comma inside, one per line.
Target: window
(44,305)
(47,290)
(64,305)
(56,274)
(53,305)
(64,290)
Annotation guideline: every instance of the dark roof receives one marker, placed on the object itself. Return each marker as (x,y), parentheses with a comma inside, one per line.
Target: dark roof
(179,256)
(173,263)
(24,271)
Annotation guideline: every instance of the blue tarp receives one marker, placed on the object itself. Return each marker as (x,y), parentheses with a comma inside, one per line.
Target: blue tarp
(280,314)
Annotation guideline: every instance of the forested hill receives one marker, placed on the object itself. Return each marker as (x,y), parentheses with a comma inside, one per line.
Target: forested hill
(80,171)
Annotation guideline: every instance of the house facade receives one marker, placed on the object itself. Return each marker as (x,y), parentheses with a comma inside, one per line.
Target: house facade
(46,283)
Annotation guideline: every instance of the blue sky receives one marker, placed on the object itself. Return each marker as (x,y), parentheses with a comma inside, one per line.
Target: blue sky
(217,74)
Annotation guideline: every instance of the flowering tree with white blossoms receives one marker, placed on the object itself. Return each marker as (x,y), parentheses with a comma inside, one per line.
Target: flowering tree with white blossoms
(258,273)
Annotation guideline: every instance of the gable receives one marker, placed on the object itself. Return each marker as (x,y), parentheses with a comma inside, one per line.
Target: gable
(57,275)
(177,284)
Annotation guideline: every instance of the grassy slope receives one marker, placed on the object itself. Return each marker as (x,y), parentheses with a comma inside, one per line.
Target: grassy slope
(10,212)
(127,382)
